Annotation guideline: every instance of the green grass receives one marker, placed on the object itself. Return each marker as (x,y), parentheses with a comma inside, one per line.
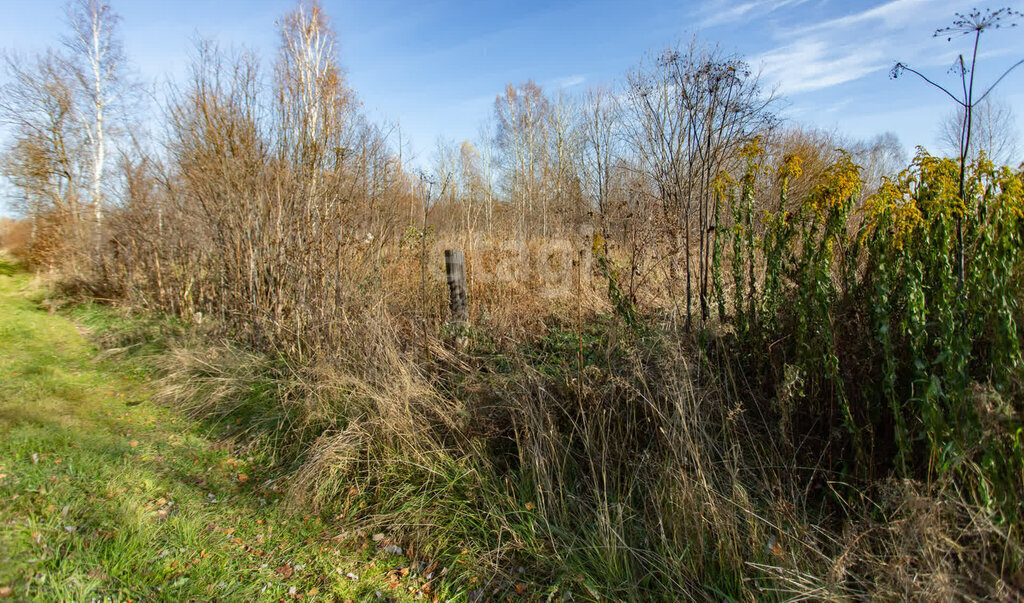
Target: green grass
(107,495)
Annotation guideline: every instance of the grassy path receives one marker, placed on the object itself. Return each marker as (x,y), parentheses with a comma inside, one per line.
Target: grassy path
(107,496)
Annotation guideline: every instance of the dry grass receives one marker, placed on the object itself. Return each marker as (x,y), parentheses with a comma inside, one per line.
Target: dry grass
(643,473)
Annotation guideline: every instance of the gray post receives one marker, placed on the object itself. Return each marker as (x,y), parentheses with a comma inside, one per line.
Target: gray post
(458,301)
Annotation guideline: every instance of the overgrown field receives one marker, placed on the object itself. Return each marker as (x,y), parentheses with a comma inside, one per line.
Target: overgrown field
(847,422)
(709,354)
(849,426)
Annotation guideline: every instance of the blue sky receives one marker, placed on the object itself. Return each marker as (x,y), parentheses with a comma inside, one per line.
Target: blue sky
(435,66)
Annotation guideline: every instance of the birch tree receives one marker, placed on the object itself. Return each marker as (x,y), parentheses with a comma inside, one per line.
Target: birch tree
(563,181)
(312,98)
(522,119)
(97,61)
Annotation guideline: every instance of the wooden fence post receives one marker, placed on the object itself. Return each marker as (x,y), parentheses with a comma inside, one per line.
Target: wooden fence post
(458,301)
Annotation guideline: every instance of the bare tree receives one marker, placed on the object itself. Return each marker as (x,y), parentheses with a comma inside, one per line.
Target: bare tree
(522,116)
(44,159)
(485,146)
(688,113)
(473,185)
(600,123)
(994,131)
(563,192)
(879,157)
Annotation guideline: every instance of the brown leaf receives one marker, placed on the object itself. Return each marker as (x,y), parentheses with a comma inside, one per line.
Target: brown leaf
(133,443)
(285,571)
(98,574)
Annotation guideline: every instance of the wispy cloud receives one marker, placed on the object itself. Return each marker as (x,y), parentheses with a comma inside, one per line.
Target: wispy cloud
(890,15)
(837,107)
(842,49)
(812,64)
(569,81)
(717,13)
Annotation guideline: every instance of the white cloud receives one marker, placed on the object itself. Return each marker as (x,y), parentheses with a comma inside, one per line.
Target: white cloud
(812,64)
(566,82)
(714,13)
(842,49)
(730,15)
(890,15)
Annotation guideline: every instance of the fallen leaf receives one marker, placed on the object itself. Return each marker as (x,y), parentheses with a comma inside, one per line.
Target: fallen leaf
(520,589)
(133,443)
(285,571)
(242,478)
(530,506)
(6,592)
